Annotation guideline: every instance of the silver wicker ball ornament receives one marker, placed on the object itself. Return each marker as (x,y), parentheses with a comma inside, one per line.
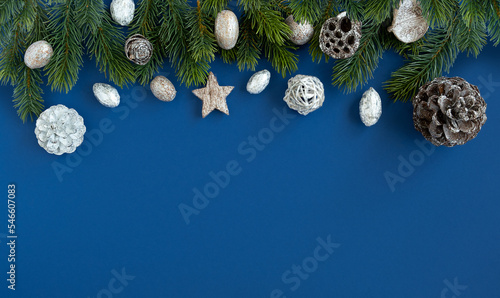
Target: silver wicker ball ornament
(138,49)
(60,130)
(305,94)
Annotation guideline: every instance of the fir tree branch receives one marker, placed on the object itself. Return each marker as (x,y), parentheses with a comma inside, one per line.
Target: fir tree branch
(39,31)
(283,60)
(268,22)
(66,40)
(471,37)
(379,10)
(354,9)
(248,46)
(27,15)
(173,36)
(28,93)
(439,13)
(105,42)
(9,9)
(329,9)
(438,54)
(89,15)
(213,7)
(202,43)
(229,56)
(11,55)
(493,14)
(355,71)
(305,10)
(146,22)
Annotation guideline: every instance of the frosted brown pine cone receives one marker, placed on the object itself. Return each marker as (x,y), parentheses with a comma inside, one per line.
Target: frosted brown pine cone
(449,111)
(138,49)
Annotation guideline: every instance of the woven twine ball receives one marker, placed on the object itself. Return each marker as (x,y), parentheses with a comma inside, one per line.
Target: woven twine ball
(305,94)
(138,49)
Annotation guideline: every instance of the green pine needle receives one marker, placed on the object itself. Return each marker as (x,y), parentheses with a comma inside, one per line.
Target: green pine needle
(66,39)
(355,71)
(438,54)
(28,93)
(329,9)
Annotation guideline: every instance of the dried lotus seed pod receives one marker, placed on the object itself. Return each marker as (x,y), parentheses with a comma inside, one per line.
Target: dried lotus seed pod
(340,37)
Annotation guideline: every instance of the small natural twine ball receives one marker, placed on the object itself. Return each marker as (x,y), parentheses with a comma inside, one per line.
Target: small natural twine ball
(138,49)
(305,94)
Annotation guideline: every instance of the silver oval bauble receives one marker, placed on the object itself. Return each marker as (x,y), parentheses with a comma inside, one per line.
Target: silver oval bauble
(122,11)
(38,54)
(226,29)
(258,81)
(370,107)
(409,25)
(302,33)
(163,89)
(106,94)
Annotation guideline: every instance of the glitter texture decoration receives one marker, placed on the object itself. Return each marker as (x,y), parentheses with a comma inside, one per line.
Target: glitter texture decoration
(409,25)
(226,29)
(449,111)
(106,94)
(305,94)
(163,89)
(38,54)
(302,33)
(213,96)
(138,49)
(60,130)
(370,107)
(122,11)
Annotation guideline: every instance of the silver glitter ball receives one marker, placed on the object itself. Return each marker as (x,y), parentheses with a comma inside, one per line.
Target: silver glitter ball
(122,11)
(106,94)
(163,89)
(302,33)
(258,81)
(38,54)
(370,107)
(59,130)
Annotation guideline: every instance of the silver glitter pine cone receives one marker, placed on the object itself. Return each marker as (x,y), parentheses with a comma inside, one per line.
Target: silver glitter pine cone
(138,49)
(449,111)
(60,130)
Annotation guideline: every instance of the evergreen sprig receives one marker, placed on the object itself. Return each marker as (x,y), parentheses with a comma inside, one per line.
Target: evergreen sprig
(183,32)
(146,22)
(28,93)
(356,70)
(104,41)
(438,53)
(66,38)
(174,36)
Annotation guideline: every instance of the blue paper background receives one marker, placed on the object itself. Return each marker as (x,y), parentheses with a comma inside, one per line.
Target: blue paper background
(322,176)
